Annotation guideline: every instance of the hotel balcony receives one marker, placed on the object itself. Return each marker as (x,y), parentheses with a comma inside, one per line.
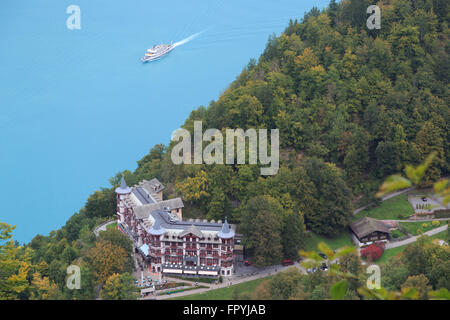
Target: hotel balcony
(155,254)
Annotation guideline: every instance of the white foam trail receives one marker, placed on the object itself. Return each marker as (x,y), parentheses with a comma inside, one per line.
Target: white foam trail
(179,43)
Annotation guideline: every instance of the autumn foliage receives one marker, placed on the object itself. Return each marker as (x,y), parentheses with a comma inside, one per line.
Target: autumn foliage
(107,259)
(373,252)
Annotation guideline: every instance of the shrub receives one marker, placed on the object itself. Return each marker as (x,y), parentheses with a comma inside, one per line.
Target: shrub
(435,223)
(397,233)
(424,225)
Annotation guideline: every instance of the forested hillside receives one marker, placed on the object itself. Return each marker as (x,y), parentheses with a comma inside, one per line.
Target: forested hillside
(352,105)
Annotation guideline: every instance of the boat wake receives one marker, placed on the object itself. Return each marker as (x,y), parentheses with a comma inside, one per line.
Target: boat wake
(179,43)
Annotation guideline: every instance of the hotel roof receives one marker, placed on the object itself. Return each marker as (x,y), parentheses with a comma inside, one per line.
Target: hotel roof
(144,211)
(123,189)
(226,232)
(195,227)
(143,196)
(152,186)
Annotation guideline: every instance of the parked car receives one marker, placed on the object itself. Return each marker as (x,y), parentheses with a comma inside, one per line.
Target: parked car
(308,270)
(247,263)
(287,262)
(323,255)
(424,199)
(324,267)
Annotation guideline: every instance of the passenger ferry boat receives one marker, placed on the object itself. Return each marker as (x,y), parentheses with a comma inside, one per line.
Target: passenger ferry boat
(157,52)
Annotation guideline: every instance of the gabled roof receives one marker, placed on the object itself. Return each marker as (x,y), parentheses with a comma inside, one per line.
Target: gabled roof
(366,226)
(192,229)
(152,186)
(156,229)
(144,211)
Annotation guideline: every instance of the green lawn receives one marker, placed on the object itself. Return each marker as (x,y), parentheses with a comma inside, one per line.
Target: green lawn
(344,239)
(388,254)
(412,227)
(225,293)
(112,226)
(389,209)
(397,234)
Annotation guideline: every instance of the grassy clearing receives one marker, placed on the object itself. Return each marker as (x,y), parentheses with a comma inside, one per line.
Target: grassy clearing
(225,293)
(398,234)
(111,226)
(388,254)
(195,279)
(397,207)
(414,227)
(340,241)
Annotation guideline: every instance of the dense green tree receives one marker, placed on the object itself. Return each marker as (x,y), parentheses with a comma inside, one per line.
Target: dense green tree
(419,282)
(430,139)
(284,285)
(293,235)
(335,209)
(119,287)
(261,226)
(101,204)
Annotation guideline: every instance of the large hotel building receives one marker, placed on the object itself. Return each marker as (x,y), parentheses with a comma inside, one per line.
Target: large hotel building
(168,244)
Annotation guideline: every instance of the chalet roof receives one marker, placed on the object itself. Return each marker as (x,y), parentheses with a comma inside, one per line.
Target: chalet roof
(144,211)
(366,226)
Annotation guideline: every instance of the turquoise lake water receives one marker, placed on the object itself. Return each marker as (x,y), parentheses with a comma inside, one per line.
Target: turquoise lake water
(78,106)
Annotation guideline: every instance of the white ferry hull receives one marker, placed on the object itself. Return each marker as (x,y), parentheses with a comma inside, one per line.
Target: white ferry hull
(158,55)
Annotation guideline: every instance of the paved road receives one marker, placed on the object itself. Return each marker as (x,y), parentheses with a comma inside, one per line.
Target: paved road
(417,220)
(391,245)
(103,226)
(230,281)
